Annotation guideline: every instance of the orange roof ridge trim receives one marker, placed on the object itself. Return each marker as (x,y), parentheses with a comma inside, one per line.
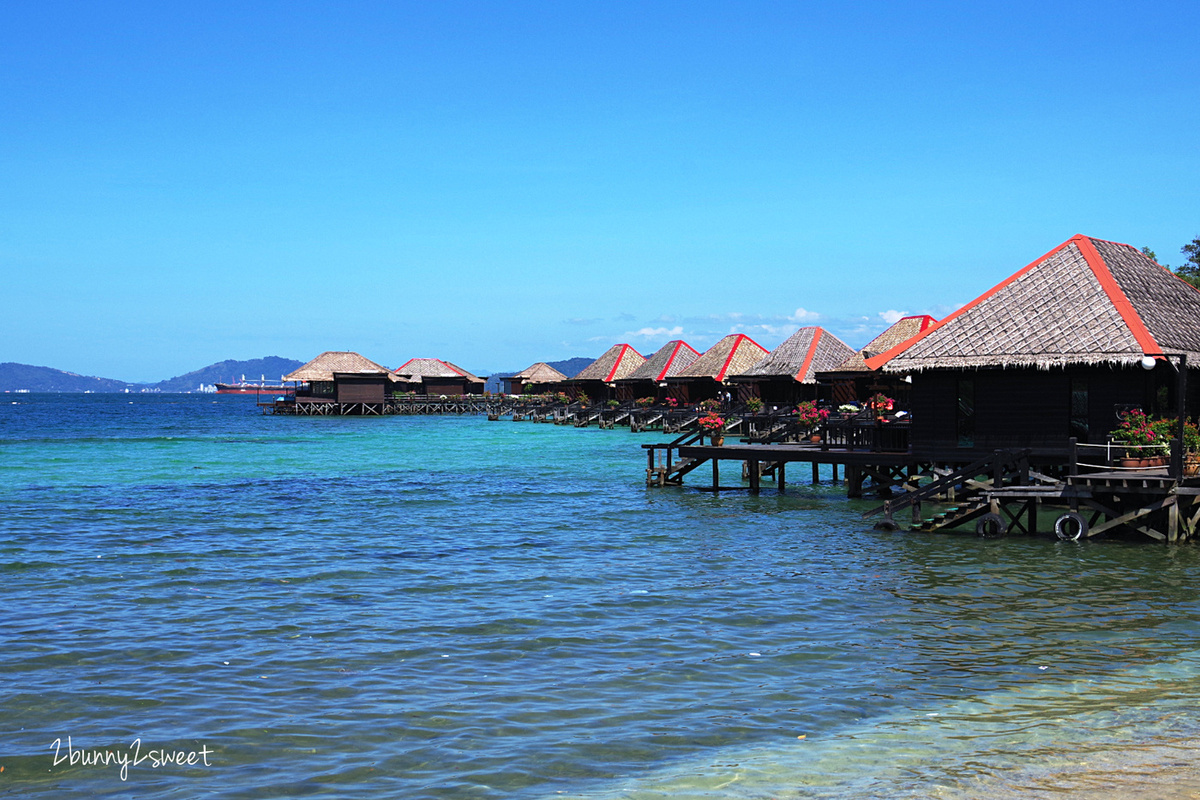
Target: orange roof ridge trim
(679,345)
(812,351)
(881,359)
(625,348)
(1116,295)
(741,338)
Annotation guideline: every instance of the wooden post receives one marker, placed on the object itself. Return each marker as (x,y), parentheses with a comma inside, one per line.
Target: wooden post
(780,475)
(834,466)
(716,474)
(1177,462)
(1173,522)
(854,481)
(1073,451)
(754,475)
(816,473)
(1033,512)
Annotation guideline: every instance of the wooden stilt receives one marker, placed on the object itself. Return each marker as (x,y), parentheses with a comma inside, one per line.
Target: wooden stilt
(754,476)
(854,481)
(779,475)
(716,474)
(816,473)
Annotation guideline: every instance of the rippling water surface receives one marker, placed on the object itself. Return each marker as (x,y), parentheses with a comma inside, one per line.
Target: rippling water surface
(455,608)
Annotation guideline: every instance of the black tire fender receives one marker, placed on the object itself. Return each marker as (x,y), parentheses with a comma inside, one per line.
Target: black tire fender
(990,526)
(1068,521)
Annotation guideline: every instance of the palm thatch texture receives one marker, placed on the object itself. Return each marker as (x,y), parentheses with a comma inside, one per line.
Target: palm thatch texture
(323,367)
(733,355)
(800,356)
(668,361)
(433,368)
(1087,301)
(616,363)
(898,333)
(540,372)
(434,374)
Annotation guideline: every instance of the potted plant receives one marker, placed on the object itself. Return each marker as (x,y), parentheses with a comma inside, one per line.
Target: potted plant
(613,403)
(810,417)
(1135,433)
(881,404)
(714,426)
(644,402)
(754,404)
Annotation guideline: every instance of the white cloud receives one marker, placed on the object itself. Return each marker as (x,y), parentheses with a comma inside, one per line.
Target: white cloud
(804,315)
(891,317)
(648,332)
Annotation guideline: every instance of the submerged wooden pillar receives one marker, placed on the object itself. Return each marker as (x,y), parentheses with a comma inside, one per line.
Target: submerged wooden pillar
(716,474)
(816,473)
(854,481)
(834,467)
(1033,512)
(780,475)
(754,476)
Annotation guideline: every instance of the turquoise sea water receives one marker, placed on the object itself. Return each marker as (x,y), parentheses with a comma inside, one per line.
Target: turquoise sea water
(455,608)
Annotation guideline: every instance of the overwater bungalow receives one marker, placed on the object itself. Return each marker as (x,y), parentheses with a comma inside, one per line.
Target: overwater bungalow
(853,380)
(650,379)
(342,379)
(435,377)
(1057,350)
(708,376)
(598,380)
(787,375)
(536,378)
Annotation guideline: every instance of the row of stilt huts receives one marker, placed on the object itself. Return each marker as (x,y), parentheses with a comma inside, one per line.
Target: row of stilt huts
(1007,403)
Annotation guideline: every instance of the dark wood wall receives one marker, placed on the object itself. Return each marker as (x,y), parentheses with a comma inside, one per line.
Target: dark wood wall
(1033,408)
(360,388)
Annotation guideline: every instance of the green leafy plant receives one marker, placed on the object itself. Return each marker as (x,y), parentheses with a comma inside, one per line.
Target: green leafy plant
(755,404)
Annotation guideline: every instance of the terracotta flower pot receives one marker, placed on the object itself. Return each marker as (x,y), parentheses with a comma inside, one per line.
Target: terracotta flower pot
(718,439)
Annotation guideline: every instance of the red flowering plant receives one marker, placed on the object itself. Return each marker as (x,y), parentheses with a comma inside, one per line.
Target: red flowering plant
(711,423)
(644,402)
(671,402)
(881,402)
(808,415)
(1135,430)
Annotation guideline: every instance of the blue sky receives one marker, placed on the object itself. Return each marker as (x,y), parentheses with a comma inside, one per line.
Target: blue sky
(502,183)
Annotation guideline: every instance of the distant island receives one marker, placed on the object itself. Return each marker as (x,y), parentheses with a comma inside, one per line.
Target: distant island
(28,378)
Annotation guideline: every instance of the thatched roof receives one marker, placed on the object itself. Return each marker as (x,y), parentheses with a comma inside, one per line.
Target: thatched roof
(899,333)
(417,368)
(669,360)
(540,372)
(616,363)
(734,354)
(323,366)
(801,356)
(1087,301)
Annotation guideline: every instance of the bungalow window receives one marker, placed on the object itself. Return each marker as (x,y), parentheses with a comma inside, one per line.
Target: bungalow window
(966,412)
(1079,409)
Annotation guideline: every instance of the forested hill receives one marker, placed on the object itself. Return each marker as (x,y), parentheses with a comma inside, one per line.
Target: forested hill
(271,367)
(17,377)
(26,377)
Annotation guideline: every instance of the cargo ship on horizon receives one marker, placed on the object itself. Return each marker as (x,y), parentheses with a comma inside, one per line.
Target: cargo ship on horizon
(261,386)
